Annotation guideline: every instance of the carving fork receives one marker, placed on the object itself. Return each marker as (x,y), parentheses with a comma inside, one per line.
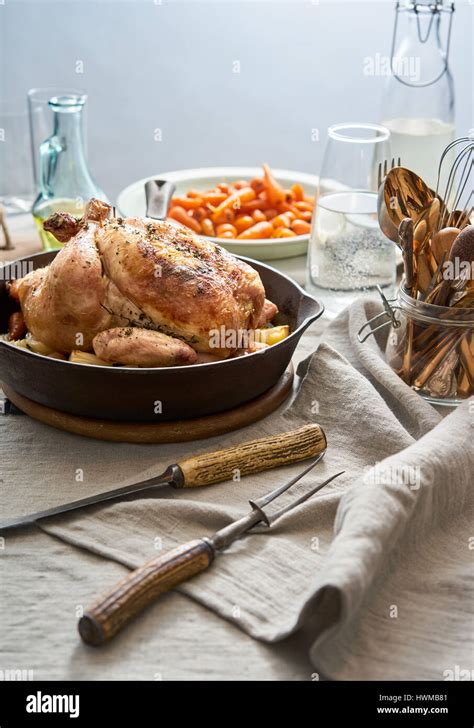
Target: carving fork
(141,587)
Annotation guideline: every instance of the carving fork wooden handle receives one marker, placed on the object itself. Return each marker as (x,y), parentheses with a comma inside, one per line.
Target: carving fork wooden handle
(141,587)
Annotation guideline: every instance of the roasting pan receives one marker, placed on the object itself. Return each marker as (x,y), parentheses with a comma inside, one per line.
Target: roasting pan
(154,395)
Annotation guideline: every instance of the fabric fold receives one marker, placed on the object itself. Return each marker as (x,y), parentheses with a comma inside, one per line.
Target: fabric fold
(335,567)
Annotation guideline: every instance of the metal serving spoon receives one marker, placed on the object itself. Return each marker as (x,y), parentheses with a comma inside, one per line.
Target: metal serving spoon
(406,195)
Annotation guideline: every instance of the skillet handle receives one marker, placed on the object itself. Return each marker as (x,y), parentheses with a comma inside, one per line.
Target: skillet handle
(254,456)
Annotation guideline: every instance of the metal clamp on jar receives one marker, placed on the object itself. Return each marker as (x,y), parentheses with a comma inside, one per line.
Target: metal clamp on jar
(430,347)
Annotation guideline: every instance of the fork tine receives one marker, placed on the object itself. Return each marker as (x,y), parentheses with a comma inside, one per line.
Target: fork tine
(269,497)
(382,173)
(275,516)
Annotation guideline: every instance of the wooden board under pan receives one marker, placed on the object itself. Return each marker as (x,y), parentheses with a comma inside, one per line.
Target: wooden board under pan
(154,433)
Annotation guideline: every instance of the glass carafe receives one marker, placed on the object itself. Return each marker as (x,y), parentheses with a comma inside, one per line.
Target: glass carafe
(418,106)
(64,179)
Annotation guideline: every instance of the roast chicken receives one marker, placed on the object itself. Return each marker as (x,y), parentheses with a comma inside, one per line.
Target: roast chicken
(139,291)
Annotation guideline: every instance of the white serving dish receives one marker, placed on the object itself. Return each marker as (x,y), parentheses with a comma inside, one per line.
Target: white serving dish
(131,202)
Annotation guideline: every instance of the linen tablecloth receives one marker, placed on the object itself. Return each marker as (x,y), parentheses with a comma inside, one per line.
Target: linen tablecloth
(373,576)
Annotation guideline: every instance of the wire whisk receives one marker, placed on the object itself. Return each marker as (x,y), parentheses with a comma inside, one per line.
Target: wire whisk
(459,184)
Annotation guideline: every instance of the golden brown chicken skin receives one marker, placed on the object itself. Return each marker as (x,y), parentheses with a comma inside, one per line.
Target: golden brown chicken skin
(142,348)
(116,272)
(185,285)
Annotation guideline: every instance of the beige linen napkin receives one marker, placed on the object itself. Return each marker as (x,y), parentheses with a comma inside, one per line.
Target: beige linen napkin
(375,570)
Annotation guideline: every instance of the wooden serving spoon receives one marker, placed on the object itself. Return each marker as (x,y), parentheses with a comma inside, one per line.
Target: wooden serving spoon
(462,250)
(442,242)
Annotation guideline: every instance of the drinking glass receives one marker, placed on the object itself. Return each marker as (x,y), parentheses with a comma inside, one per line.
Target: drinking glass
(348,254)
(16,179)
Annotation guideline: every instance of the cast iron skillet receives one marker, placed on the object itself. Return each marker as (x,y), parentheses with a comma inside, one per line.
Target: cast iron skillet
(118,393)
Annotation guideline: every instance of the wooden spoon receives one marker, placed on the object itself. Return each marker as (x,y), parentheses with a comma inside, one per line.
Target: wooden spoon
(462,250)
(442,242)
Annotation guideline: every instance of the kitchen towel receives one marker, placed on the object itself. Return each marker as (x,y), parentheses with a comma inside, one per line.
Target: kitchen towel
(376,570)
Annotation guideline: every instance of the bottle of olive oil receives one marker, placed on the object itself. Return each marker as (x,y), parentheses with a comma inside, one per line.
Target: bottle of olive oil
(65,182)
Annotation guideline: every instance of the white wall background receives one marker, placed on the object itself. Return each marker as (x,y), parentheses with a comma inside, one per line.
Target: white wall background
(169,65)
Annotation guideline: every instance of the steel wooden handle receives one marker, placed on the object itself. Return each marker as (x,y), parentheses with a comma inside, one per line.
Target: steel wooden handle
(141,587)
(253,456)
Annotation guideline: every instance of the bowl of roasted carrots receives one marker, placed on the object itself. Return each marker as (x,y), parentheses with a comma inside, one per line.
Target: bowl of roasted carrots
(263,213)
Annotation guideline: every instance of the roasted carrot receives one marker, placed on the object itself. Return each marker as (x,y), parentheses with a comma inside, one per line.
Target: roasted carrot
(223,217)
(186,203)
(243,222)
(301,227)
(257,184)
(283,232)
(214,197)
(235,201)
(179,214)
(259,216)
(16,326)
(285,207)
(258,204)
(282,220)
(271,213)
(298,192)
(304,206)
(207,227)
(226,228)
(232,208)
(275,192)
(199,213)
(259,230)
